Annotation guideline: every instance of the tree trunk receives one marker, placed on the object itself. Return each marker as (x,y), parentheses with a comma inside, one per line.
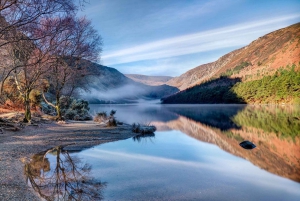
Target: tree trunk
(58,111)
(27,117)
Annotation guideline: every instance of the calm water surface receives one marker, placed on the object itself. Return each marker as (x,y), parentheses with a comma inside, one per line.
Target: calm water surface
(195,154)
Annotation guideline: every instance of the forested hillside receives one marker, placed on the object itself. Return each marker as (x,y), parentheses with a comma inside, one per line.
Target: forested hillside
(265,71)
(281,87)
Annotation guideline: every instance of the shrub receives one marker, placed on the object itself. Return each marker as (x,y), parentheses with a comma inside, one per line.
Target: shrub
(75,109)
(71,108)
(144,129)
(100,117)
(110,120)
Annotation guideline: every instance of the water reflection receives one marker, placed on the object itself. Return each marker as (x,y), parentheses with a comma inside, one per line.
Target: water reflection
(143,114)
(217,116)
(184,164)
(65,177)
(284,121)
(144,137)
(274,130)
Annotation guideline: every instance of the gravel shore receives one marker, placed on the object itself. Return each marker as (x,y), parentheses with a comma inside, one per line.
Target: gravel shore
(17,147)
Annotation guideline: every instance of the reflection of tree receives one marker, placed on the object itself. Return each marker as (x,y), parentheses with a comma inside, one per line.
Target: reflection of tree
(283,121)
(139,138)
(68,180)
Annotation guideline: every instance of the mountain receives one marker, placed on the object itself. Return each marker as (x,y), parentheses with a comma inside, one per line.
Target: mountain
(265,71)
(149,80)
(263,56)
(111,86)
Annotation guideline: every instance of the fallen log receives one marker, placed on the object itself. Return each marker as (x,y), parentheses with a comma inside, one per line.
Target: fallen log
(8,124)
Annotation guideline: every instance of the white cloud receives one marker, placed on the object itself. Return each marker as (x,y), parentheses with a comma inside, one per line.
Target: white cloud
(230,36)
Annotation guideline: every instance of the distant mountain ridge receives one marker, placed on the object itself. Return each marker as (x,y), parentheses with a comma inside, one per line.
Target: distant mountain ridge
(149,80)
(265,55)
(111,86)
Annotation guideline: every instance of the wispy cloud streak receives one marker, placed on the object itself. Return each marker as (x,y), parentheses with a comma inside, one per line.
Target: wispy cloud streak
(230,36)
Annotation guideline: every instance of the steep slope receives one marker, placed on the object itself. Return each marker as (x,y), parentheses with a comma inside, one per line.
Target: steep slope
(281,87)
(149,80)
(261,57)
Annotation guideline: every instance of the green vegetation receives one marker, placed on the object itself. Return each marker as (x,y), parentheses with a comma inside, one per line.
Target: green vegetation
(283,85)
(280,120)
(237,69)
(232,135)
(71,108)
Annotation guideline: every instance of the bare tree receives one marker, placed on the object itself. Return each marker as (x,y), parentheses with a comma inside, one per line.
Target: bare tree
(73,49)
(45,42)
(17,15)
(17,20)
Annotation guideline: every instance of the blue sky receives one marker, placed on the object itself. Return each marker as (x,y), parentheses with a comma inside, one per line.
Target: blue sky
(170,37)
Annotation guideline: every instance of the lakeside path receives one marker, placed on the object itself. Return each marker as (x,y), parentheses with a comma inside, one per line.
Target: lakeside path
(17,147)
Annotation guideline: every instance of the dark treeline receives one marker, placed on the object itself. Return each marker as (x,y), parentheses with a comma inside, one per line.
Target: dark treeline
(211,92)
(283,86)
(43,46)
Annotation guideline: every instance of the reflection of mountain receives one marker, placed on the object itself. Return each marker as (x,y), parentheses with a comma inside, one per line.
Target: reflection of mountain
(218,116)
(65,178)
(273,154)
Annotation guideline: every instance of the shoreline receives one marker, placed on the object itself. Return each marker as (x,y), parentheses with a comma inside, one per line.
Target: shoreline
(16,148)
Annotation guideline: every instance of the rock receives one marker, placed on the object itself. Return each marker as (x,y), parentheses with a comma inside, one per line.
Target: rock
(247,145)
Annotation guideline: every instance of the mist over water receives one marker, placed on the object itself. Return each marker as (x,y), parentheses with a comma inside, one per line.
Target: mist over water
(128,93)
(123,92)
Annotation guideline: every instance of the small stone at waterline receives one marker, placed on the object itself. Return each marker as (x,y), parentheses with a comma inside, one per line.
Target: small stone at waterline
(247,145)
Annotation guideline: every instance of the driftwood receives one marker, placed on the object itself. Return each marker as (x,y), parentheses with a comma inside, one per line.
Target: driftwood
(7,125)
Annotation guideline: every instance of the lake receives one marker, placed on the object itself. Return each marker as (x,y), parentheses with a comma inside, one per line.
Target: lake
(194,155)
